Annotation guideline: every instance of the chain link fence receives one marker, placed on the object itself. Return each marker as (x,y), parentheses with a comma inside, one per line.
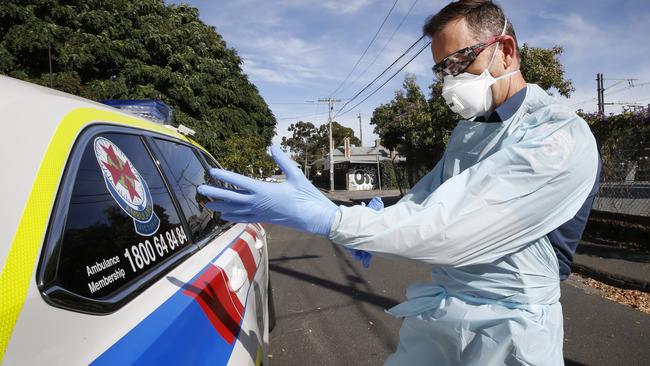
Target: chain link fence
(624,181)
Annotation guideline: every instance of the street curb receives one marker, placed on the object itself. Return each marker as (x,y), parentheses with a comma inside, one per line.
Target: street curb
(619,281)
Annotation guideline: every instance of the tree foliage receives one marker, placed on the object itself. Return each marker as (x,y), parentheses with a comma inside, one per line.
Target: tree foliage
(302,141)
(541,66)
(624,144)
(121,49)
(307,142)
(339,133)
(242,154)
(419,128)
(406,124)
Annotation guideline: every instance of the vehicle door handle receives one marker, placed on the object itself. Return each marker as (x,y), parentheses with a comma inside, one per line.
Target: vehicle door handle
(238,277)
(259,243)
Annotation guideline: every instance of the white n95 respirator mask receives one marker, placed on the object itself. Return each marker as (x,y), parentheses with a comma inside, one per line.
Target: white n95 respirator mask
(470,95)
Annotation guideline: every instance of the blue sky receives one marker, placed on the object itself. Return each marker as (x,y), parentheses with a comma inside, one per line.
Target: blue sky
(300,50)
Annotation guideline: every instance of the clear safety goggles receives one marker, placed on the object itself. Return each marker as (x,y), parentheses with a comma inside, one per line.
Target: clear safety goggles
(459,61)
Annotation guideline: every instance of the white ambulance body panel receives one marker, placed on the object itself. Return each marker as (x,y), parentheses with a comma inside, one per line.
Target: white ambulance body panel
(209,307)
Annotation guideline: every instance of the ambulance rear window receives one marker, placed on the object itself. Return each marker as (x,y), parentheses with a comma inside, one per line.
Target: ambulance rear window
(121,222)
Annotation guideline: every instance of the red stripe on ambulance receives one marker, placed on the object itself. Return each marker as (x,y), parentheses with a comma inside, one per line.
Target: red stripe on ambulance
(218,302)
(254,233)
(212,290)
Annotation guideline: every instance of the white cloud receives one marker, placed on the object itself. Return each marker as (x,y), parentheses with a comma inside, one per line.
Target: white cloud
(345,6)
(591,47)
(258,72)
(335,6)
(285,59)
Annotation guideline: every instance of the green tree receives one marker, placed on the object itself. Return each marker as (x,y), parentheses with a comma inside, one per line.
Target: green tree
(541,66)
(405,124)
(242,154)
(444,119)
(302,142)
(624,143)
(339,133)
(308,142)
(144,49)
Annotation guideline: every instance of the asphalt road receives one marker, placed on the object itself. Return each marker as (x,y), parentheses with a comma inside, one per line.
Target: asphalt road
(330,310)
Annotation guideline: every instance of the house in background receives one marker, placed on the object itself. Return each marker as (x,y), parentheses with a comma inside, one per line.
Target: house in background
(356,167)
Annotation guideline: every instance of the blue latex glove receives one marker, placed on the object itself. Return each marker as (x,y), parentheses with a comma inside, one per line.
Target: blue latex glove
(361,255)
(295,203)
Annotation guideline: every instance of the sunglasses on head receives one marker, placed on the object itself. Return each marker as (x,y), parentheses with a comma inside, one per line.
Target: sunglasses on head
(459,61)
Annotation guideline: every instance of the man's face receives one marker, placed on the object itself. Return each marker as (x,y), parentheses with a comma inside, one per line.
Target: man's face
(456,36)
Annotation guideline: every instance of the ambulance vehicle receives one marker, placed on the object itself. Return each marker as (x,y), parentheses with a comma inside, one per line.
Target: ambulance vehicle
(108,255)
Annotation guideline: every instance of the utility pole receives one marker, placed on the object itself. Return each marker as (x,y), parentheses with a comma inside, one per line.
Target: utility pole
(360,129)
(378,173)
(330,102)
(602,93)
(601,96)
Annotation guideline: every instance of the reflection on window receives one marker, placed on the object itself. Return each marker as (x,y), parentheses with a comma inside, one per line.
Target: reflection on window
(187,173)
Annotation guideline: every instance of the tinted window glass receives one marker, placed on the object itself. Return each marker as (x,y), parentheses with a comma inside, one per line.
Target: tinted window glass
(121,222)
(187,173)
(213,164)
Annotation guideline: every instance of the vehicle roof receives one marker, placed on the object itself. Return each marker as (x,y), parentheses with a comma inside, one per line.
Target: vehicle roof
(46,101)
(30,115)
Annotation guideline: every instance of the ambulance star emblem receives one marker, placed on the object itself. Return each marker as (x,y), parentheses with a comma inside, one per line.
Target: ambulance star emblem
(127,187)
(121,172)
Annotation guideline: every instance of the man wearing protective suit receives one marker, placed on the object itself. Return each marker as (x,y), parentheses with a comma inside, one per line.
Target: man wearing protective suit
(499,217)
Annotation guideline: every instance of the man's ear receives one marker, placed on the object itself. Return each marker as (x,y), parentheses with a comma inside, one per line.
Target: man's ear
(509,49)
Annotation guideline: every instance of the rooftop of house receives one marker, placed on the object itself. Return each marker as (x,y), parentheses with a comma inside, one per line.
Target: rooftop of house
(363,154)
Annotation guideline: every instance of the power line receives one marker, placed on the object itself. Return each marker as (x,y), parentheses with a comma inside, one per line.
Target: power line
(627,79)
(385,44)
(316,104)
(286,102)
(630,82)
(582,102)
(386,82)
(620,103)
(612,92)
(630,102)
(627,88)
(382,74)
(366,50)
(303,116)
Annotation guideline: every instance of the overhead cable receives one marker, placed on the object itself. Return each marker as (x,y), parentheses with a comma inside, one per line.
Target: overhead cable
(612,92)
(382,73)
(303,116)
(626,88)
(582,102)
(385,44)
(366,50)
(385,82)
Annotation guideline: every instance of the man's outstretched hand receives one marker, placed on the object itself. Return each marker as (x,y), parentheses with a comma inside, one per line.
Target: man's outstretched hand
(295,203)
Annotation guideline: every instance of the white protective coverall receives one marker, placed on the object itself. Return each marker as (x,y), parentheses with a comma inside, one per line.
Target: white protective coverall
(481,217)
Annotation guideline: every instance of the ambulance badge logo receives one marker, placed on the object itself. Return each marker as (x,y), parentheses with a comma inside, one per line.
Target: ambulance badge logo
(127,186)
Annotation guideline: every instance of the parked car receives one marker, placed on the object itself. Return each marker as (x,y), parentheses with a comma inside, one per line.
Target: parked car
(108,254)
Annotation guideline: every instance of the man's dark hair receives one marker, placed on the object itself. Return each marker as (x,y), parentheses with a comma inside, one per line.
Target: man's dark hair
(484,18)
